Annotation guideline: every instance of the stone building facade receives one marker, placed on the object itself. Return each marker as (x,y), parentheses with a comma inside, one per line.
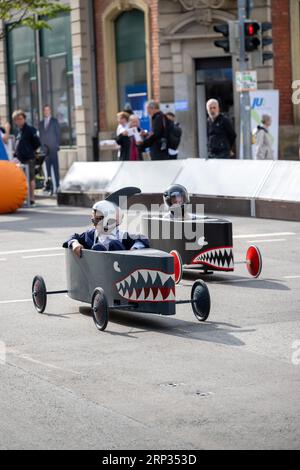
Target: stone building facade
(286,47)
(161,49)
(192,69)
(184,68)
(38,68)
(107,13)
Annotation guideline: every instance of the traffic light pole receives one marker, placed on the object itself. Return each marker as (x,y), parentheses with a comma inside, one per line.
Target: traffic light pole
(245,108)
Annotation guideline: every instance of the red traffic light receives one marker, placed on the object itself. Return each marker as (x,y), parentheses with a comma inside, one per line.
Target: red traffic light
(251,28)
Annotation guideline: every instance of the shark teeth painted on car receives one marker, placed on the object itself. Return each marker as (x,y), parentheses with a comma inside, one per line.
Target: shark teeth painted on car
(147,285)
(219,258)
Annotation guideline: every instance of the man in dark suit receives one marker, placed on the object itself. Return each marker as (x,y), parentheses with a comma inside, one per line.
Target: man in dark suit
(50,136)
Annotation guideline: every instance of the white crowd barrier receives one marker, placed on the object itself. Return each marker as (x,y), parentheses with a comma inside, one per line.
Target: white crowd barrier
(150,177)
(231,178)
(90,176)
(272,180)
(282,183)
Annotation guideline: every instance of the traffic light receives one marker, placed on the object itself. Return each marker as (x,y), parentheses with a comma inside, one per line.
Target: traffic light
(224,30)
(230,32)
(266,41)
(252,36)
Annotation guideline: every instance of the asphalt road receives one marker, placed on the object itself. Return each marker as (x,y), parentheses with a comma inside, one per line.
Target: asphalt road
(149,382)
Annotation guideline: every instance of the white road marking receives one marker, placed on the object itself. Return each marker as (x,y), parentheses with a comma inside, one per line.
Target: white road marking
(36,250)
(267,241)
(56,211)
(292,277)
(11,218)
(275,234)
(26,357)
(43,256)
(4,302)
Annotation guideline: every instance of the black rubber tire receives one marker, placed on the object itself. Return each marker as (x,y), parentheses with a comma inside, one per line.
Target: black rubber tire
(200,294)
(39,294)
(100,309)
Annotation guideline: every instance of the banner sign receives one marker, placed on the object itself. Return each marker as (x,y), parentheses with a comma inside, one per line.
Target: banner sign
(265,102)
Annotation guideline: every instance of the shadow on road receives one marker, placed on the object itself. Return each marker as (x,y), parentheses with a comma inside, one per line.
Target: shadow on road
(213,332)
(136,324)
(237,281)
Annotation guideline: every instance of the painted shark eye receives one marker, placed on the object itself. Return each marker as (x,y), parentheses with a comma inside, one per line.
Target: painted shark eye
(117,267)
(202,241)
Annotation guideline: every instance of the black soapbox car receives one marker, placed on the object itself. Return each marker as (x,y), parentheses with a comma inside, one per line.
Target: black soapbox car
(203,243)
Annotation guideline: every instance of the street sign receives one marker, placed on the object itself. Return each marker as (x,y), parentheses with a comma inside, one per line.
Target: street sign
(137,96)
(246,81)
(181,105)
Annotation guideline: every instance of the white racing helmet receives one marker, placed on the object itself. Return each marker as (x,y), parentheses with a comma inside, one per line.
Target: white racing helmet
(106,217)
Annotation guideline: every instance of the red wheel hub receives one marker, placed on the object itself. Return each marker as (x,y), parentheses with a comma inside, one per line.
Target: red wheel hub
(254,261)
(177,266)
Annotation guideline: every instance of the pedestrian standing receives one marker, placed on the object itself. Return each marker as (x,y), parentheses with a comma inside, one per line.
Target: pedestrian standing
(157,139)
(220,133)
(263,140)
(134,132)
(27,142)
(174,135)
(50,136)
(122,138)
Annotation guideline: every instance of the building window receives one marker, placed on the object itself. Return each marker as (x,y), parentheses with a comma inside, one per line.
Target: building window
(22,72)
(56,72)
(130,54)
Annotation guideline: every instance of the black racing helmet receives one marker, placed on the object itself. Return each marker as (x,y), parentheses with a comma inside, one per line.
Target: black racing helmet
(176,196)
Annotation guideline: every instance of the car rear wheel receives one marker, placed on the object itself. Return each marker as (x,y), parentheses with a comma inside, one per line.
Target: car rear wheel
(39,294)
(100,309)
(200,300)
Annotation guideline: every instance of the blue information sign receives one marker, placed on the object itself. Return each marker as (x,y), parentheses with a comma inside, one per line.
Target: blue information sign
(137,97)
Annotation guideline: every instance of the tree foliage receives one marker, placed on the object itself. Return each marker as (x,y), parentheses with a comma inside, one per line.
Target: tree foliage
(31,13)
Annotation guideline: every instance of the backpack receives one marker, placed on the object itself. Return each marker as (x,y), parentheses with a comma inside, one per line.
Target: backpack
(173,134)
(255,132)
(254,136)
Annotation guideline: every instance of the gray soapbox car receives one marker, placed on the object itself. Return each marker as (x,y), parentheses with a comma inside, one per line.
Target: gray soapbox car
(139,280)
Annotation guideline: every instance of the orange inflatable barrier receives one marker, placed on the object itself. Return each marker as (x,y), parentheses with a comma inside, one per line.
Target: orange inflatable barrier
(13,187)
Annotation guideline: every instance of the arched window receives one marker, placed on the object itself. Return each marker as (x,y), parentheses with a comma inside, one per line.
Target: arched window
(130,54)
